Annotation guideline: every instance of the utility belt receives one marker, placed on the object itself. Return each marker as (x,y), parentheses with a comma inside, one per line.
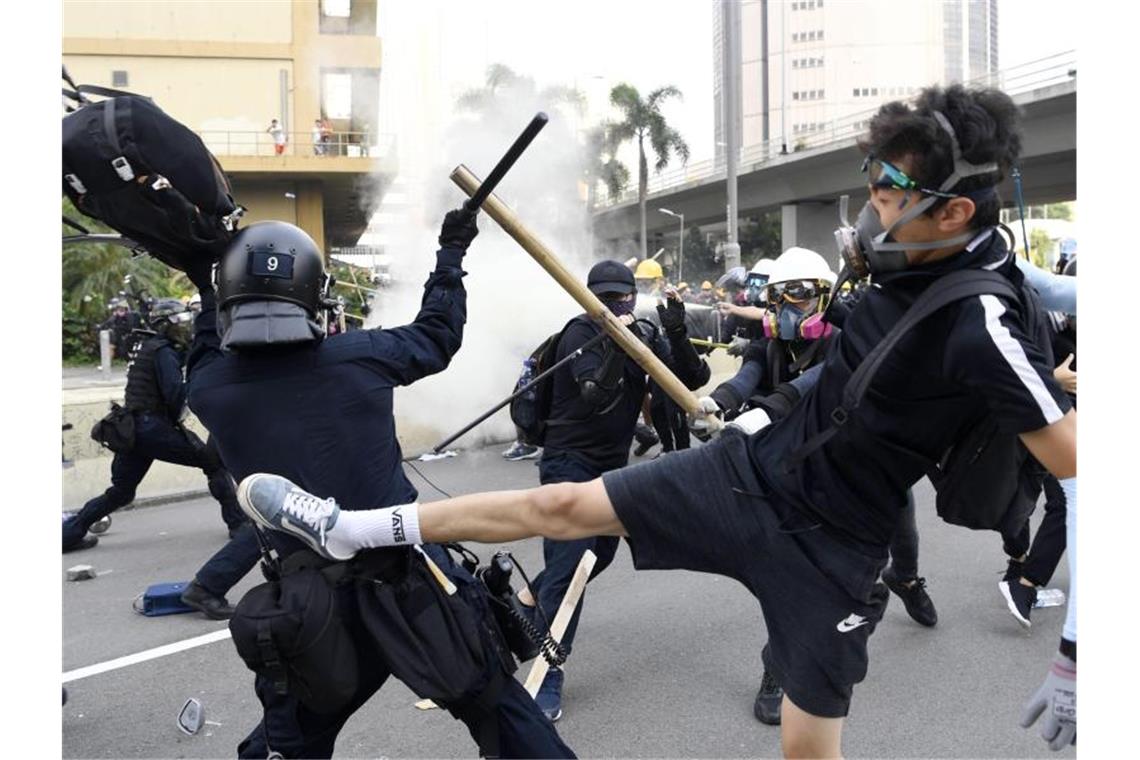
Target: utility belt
(433,633)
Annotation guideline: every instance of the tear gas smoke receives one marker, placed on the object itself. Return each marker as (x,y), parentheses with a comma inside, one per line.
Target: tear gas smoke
(512,303)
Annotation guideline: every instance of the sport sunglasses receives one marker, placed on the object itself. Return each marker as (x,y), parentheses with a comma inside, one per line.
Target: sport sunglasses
(885,175)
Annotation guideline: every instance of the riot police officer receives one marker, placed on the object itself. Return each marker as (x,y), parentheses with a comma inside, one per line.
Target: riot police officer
(155,398)
(262,361)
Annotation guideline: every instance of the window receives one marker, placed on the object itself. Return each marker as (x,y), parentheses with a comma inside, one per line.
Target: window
(119,79)
(811,35)
(855,93)
(795,96)
(795,63)
(336,8)
(821,35)
(865,93)
(337,96)
(874,90)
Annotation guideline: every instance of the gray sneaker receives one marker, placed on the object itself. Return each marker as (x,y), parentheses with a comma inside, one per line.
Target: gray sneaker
(277,503)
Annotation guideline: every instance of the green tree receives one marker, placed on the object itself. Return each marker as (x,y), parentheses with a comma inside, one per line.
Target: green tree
(501,80)
(1039,243)
(642,118)
(94,273)
(601,164)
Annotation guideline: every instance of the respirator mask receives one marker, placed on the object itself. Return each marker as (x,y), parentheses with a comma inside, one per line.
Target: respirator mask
(866,247)
(754,288)
(793,317)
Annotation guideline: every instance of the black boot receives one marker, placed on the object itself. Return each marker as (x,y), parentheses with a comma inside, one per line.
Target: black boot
(213,607)
(84,543)
(768,700)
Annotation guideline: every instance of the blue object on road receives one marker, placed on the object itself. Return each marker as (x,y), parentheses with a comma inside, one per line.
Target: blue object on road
(163,599)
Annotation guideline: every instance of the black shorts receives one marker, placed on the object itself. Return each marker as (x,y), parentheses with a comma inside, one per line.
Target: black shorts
(706,510)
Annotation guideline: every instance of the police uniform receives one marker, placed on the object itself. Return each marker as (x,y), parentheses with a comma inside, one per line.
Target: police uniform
(155,395)
(320,413)
(810,542)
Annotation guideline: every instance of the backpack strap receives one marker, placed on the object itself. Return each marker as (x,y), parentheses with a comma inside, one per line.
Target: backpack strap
(946,290)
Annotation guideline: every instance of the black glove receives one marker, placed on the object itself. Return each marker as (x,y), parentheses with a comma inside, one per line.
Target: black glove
(778,403)
(672,315)
(458,229)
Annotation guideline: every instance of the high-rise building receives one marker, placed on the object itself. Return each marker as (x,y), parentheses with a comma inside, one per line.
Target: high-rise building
(807,65)
(226,70)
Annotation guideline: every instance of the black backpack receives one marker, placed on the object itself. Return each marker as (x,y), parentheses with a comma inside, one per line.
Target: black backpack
(183,209)
(986,479)
(531,410)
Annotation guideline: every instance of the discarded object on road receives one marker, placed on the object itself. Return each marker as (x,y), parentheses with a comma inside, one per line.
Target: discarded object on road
(191,717)
(431,457)
(80,573)
(162,599)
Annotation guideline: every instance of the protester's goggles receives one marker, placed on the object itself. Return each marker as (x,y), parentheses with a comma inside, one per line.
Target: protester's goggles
(886,176)
(795,291)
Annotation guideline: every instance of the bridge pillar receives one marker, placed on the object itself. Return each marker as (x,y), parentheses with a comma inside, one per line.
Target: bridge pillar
(811,225)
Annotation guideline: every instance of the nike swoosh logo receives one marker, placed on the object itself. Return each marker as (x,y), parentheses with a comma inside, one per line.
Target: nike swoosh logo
(850,623)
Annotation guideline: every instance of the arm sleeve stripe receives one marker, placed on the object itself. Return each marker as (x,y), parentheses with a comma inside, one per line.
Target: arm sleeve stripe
(1015,356)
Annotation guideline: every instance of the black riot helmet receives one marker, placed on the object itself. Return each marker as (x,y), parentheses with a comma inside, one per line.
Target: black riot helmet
(171,319)
(271,287)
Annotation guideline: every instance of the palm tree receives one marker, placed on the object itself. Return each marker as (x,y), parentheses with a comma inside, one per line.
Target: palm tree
(501,79)
(643,119)
(601,164)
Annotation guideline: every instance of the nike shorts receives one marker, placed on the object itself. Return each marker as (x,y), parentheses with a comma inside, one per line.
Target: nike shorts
(706,510)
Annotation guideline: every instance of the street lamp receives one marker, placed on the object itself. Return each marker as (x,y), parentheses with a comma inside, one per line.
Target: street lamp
(680,245)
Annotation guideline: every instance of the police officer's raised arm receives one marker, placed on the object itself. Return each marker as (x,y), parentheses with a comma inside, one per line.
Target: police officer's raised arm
(426,345)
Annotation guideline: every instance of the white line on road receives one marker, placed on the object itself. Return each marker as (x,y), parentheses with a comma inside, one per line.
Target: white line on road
(149,654)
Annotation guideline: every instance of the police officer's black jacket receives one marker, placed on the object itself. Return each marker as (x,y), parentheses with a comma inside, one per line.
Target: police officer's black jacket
(321,414)
(971,358)
(602,434)
(154,380)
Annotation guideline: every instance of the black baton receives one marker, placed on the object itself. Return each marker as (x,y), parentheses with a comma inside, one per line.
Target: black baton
(507,161)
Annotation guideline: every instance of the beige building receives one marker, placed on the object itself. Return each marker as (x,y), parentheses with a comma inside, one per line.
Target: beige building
(228,69)
(808,65)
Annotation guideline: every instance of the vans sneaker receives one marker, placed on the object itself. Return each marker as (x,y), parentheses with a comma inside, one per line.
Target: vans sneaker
(277,503)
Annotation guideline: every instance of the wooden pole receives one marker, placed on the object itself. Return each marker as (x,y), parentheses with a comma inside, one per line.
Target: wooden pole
(621,334)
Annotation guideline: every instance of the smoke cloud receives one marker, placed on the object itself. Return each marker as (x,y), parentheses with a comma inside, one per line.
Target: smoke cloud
(512,303)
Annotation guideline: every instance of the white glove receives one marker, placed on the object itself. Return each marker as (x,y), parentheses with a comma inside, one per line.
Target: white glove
(751,421)
(737,346)
(708,419)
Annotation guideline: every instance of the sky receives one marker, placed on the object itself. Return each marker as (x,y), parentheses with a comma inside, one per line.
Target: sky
(595,44)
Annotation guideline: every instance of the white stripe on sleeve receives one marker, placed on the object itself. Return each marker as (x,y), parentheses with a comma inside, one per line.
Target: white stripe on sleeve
(1015,356)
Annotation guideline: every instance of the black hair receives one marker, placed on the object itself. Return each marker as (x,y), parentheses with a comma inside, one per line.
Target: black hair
(986,123)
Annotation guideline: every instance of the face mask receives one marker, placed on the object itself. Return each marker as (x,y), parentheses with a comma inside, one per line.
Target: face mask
(788,320)
(867,247)
(621,308)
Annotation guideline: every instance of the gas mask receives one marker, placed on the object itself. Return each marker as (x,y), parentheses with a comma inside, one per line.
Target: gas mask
(754,288)
(866,247)
(792,322)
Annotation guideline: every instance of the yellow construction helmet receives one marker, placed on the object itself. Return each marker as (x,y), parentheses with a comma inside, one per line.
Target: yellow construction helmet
(648,270)
(706,285)
(682,286)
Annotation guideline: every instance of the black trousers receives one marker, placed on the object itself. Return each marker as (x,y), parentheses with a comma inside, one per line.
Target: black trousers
(290,728)
(1049,542)
(156,438)
(904,543)
(669,421)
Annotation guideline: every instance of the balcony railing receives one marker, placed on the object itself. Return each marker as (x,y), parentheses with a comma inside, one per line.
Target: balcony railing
(345,144)
(1037,75)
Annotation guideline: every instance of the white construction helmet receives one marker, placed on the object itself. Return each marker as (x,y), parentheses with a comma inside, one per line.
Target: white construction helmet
(763,266)
(801,264)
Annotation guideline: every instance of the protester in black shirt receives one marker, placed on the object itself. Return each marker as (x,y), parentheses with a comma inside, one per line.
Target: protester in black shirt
(811,542)
(596,399)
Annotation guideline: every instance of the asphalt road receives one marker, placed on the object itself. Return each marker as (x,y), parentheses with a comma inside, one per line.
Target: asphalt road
(666,664)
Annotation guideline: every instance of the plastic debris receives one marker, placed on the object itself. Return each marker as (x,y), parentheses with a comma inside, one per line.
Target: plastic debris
(431,457)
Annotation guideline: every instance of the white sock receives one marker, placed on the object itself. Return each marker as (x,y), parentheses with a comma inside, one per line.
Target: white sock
(373,528)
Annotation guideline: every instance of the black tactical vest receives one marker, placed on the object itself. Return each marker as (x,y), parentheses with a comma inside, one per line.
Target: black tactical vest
(143,393)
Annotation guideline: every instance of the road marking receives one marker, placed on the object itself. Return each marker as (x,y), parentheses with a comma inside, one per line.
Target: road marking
(149,654)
